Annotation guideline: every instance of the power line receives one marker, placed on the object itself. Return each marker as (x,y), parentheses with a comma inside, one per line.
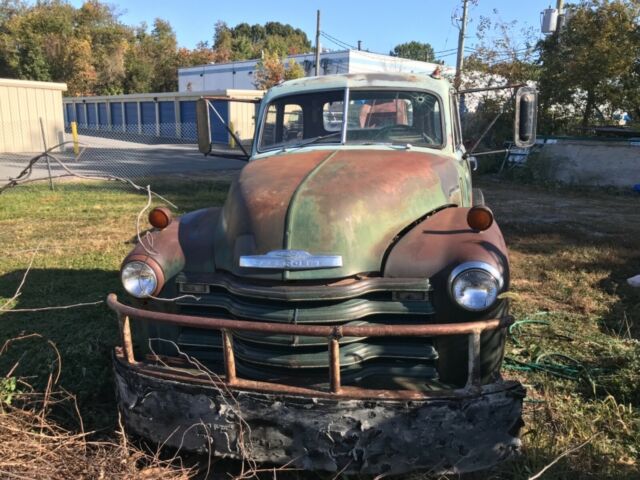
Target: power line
(337,41)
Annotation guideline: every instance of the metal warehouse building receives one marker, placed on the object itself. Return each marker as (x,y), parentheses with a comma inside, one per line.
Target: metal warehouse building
(162,115)
(27,111)
(241,74)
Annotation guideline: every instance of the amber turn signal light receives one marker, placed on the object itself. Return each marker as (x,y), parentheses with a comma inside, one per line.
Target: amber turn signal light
(160,217)
(480,218)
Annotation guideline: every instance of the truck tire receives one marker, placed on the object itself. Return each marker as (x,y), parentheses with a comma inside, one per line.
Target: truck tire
(453,351)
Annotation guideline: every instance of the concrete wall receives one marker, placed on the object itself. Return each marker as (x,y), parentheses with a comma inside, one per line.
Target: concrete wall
(593,162)
(22,105)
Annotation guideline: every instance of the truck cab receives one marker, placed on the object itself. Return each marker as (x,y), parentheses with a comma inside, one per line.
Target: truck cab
(344,309)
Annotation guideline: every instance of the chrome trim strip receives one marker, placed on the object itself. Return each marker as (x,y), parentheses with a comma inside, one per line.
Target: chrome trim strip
(318,291)
(291,260)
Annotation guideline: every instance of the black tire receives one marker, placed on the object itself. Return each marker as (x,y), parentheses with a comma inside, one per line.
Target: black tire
(453,353)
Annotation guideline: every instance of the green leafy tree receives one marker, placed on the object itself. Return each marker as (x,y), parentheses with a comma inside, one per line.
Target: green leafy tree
(413,50)
(593,63)
(245,41)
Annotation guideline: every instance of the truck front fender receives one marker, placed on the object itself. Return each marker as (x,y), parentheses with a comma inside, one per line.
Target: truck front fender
(442,241)
(186,244)
(432,249)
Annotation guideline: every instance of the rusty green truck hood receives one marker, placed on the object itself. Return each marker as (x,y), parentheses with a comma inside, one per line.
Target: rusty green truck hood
(352,203)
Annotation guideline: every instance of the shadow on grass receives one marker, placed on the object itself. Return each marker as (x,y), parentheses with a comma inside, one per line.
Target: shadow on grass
(84,336)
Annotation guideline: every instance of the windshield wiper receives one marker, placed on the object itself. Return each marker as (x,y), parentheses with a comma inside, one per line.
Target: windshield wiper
(309,141)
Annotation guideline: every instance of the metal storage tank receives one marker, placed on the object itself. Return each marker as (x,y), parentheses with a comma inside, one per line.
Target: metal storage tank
(22,104)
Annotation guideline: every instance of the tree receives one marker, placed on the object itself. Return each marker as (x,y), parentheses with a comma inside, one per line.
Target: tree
(271,70)
(413,50)
(504,50)
(593,63)
(200,55)
(91,50)
(245,41)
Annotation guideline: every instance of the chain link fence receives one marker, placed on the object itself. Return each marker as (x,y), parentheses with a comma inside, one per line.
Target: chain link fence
(169,151)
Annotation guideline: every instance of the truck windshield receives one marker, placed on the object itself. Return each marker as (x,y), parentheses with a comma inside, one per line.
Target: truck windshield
(373,116)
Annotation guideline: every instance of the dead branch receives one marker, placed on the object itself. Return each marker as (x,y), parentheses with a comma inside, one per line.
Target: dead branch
(245,444)
(28,170)
(53,346)
(149,248)
(24,175)
(48,309)
(124,180)
(4,309)
(562,455)
(175,299)
(24,278)
(32,446)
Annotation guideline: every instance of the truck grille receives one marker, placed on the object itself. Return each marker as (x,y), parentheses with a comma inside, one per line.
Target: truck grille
(383,362)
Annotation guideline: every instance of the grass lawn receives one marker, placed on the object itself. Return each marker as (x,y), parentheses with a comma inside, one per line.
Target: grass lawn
(84,230)
(571,253)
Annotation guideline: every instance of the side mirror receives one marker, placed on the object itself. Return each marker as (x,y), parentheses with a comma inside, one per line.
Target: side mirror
(526,116)
(204,126)
(214,118)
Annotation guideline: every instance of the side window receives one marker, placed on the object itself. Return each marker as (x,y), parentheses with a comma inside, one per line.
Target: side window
(284,123)
(269,130)
(293,123)
(437,122)
(332,113)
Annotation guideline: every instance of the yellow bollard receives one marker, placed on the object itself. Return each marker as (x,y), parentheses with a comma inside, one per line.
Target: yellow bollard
(74,135)
(232,141)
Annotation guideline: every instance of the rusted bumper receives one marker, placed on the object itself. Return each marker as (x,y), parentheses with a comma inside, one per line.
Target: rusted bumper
(175,402)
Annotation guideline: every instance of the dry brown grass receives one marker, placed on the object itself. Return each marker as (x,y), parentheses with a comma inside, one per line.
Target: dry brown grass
(34,446)
(571,252)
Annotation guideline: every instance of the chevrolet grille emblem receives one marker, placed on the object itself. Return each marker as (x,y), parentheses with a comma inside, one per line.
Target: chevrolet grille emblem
(291,260)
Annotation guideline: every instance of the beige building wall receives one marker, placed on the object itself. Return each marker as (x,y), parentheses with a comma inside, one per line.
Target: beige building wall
(22,104)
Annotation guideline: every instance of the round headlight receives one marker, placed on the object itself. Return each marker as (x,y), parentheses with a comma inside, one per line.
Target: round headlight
(139,279)
(475,286)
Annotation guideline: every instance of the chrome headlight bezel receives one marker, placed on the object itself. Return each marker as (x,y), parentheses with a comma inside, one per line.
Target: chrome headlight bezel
(139,279)
(493,275)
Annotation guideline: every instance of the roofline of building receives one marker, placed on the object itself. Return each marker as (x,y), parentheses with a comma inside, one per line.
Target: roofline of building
(11,82)
(240,63)
(256,60)
(225,92)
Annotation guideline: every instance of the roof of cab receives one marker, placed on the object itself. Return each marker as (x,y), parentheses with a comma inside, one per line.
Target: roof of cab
(360,80)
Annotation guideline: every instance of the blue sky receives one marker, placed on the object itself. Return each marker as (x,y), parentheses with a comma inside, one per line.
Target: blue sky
(379,24)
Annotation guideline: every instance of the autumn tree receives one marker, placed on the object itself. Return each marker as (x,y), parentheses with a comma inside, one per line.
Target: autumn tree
(413,50)
(200,55)
(271,70)
(91,50)
(53,41)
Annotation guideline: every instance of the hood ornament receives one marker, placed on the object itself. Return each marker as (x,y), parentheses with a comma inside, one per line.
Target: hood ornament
(291,260)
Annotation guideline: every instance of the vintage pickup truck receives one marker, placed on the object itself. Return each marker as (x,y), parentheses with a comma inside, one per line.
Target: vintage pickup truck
(343,310)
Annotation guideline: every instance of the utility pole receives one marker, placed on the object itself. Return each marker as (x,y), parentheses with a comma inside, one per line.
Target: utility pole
(560,23)
(460,60)
(318,44)
(359,45)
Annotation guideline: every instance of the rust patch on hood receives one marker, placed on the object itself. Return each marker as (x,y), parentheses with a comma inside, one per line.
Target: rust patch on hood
(345,202)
